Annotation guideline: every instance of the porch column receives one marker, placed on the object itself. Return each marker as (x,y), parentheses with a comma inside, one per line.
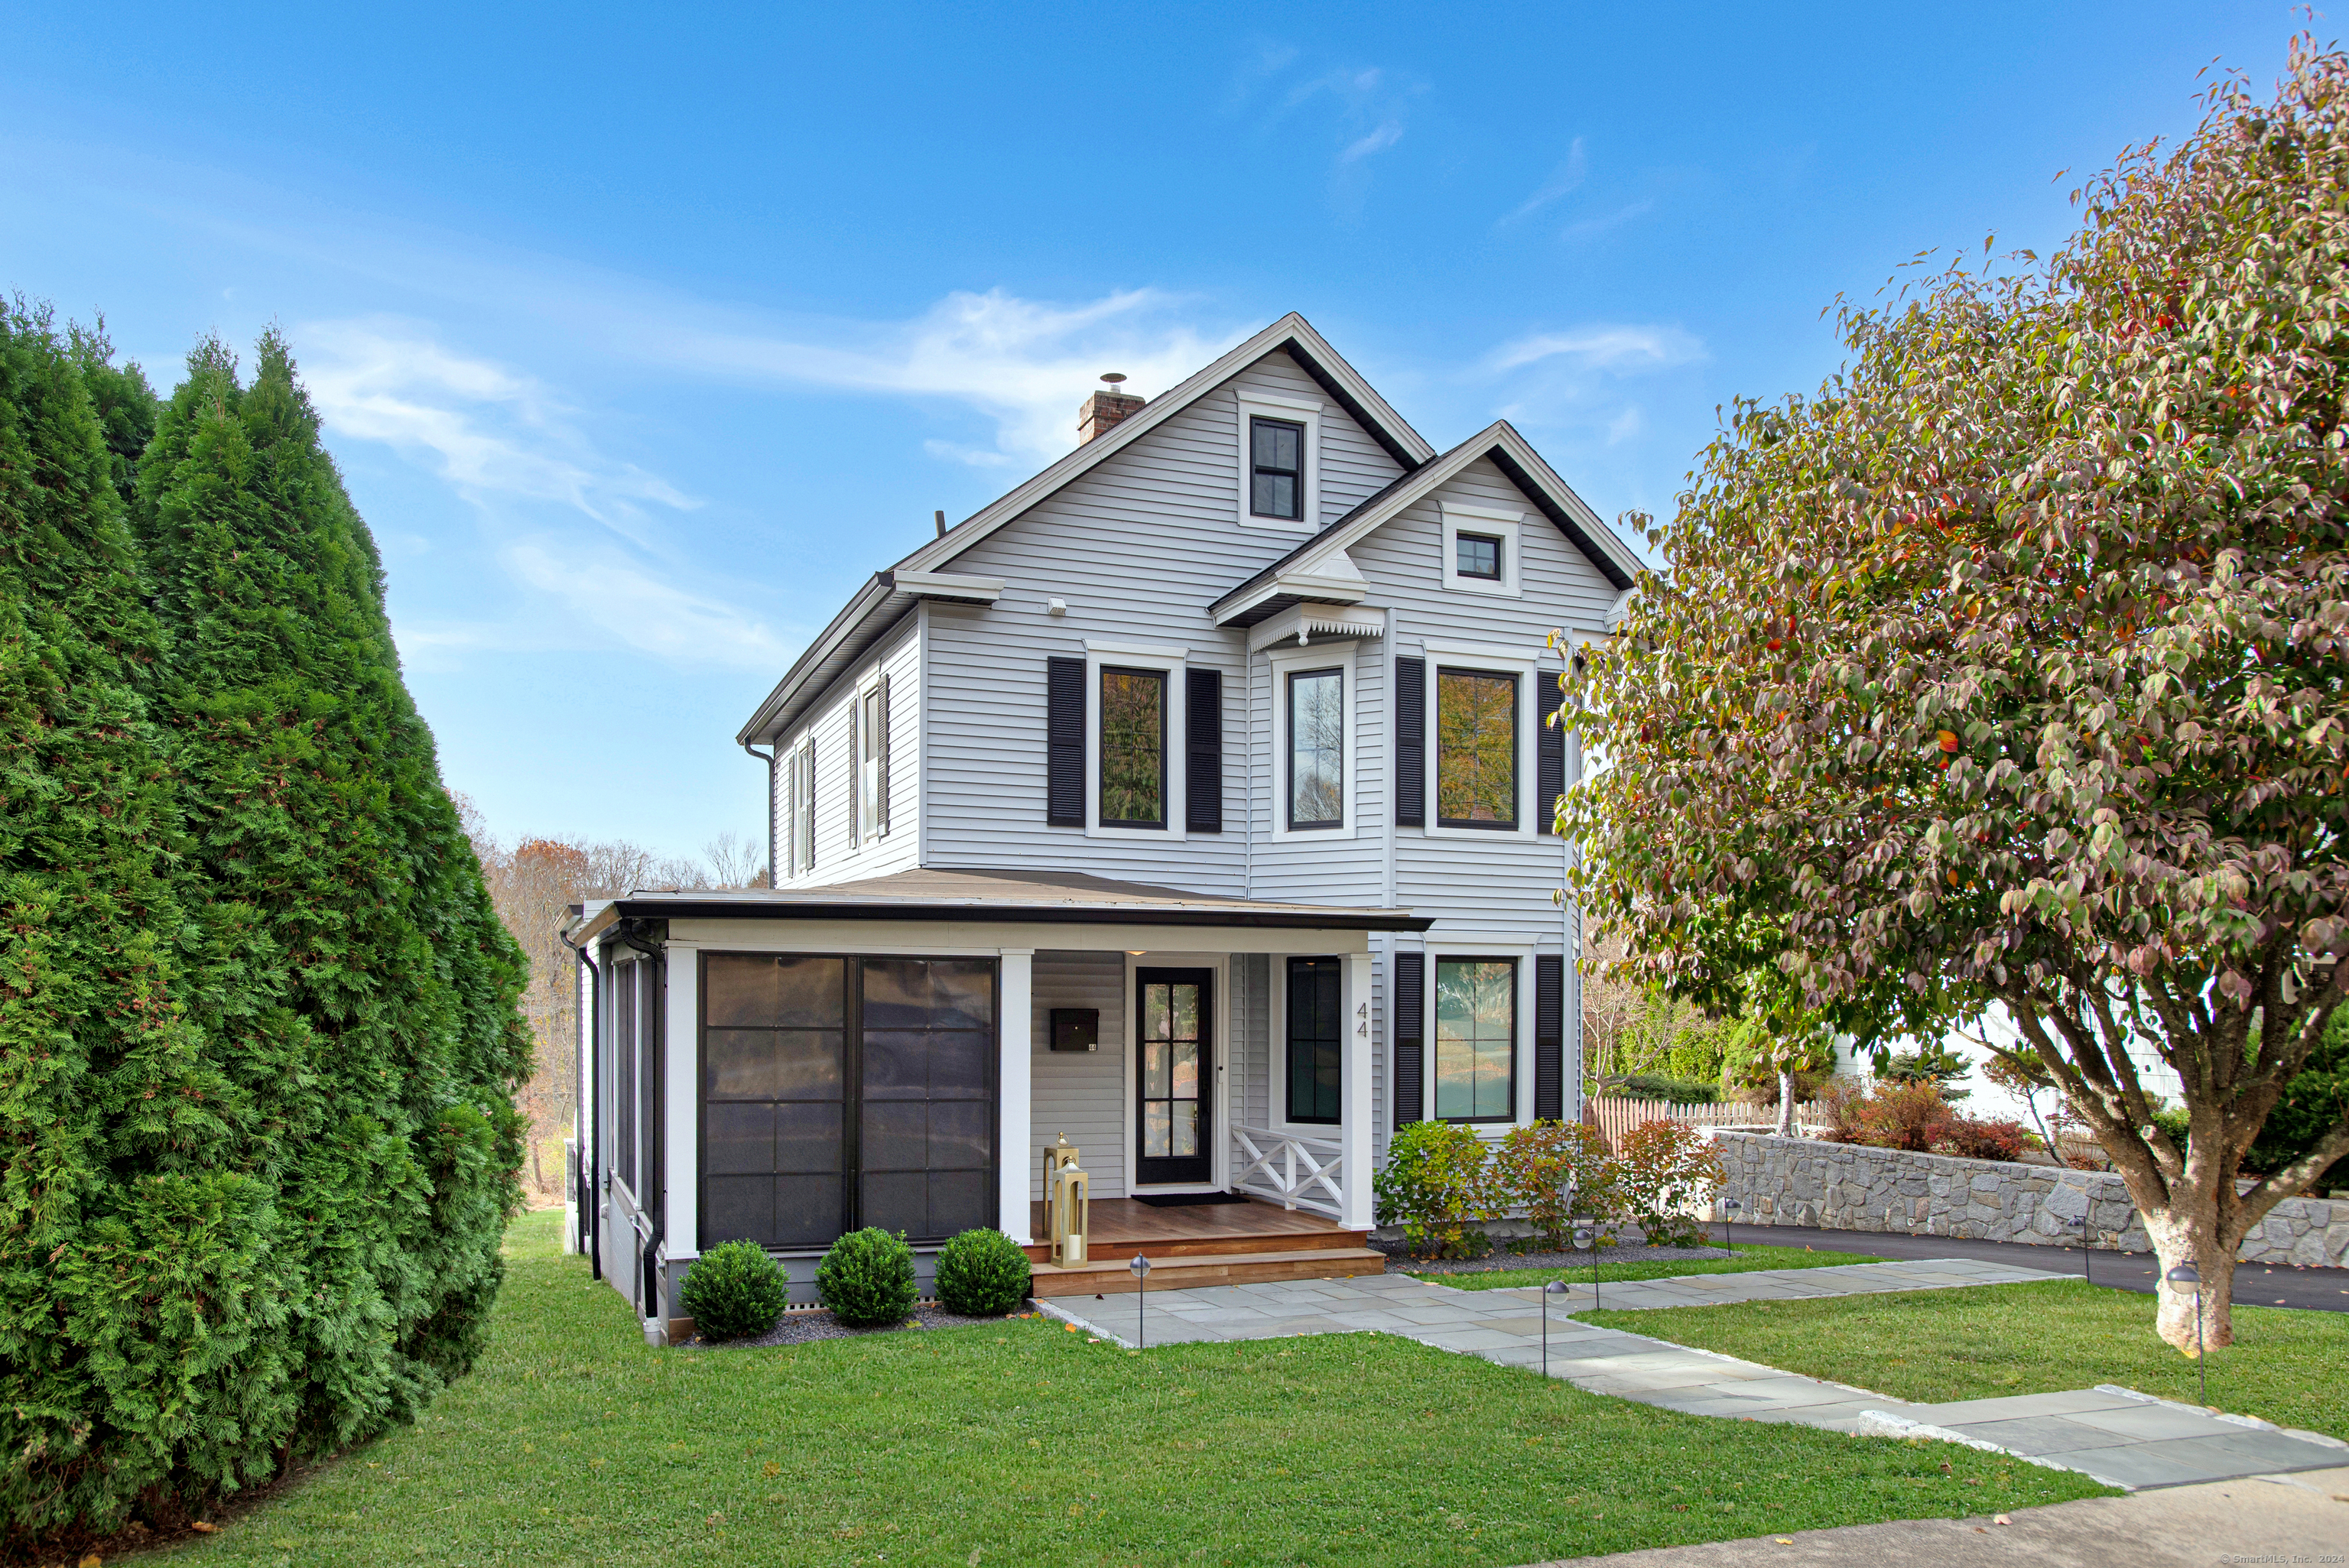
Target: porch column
(1012,1093)
(681,1106)
(1354,1086)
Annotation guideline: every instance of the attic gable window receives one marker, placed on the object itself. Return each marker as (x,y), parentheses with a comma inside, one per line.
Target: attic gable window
(1276,469)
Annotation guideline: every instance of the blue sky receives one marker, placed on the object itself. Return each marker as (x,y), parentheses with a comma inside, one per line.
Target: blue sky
(642,342)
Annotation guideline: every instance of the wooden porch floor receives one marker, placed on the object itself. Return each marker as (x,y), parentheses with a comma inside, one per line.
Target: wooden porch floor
(1208,1243)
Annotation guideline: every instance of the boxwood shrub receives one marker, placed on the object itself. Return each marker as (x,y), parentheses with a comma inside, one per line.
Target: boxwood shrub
(867,1278)
(734,1291)
(982,1274)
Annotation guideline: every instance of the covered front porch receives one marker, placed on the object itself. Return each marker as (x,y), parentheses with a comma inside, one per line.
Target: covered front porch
(900,1053)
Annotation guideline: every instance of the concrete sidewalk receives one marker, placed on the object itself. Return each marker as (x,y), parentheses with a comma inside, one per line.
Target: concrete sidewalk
(2113,1435)
(2302,1518)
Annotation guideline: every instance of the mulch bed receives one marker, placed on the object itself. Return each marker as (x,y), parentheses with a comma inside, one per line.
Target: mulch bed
(806,1325)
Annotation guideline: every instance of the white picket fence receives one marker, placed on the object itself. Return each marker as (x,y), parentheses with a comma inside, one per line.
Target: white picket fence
(1617,1116)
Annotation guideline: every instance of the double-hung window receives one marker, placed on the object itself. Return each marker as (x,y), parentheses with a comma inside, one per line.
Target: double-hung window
(873,761)
(1316,748)
(1475,1039)
(1275,469)
(799,809)
(1132,748)
(1316,1040)
(1477,750)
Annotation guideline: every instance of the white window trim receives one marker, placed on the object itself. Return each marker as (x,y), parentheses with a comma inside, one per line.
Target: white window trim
(1493,523)
(1277,1054)
(1297,411)
(1173,662)
(1521,1082)
(864,826)
(1219,1136)
(1283,663)
(1478,656)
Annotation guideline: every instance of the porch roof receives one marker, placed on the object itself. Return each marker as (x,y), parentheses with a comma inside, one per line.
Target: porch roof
(1027,896)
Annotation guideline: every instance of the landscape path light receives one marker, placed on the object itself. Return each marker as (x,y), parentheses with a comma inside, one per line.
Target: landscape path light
(1728,1206)
(2186,1281)
(1583,1241)
(1141,1267)
(1555,1287)
(2079,1224)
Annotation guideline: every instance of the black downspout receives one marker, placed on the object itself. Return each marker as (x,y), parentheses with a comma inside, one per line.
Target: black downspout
(591,1153)
(769,759)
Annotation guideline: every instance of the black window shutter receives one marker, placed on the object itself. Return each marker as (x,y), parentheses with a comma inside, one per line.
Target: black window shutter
(1409,1005)
(881,799)
(1411,744)
(1202,740)
(1549,1036)
(1064,743)
(1549,765)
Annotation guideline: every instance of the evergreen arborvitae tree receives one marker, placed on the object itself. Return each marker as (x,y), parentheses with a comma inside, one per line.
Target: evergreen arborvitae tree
(346,965)
(131,1241)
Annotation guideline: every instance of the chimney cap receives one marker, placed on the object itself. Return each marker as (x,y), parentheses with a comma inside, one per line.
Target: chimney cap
(1113,377)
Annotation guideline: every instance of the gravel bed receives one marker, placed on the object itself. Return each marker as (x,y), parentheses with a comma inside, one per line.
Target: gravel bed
(801,1327)
(1398,1262)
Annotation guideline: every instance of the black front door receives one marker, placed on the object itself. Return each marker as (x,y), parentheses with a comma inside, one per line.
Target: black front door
(1174,1087)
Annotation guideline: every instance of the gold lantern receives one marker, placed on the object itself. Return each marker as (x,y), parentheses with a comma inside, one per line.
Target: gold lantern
(1066,1200)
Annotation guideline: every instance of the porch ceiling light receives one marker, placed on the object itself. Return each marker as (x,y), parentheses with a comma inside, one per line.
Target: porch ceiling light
(1136,952)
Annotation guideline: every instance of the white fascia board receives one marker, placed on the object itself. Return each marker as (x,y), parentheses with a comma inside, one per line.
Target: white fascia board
(1301,624)
(1332,579)
(954,587)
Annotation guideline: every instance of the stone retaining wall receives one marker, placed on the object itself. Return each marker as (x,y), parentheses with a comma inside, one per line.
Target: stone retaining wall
(1850,1187)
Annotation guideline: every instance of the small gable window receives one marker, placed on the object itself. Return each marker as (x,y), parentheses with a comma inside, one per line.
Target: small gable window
(1277,470)
(1477,555)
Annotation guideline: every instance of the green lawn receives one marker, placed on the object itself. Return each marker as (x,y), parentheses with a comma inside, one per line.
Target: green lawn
(1023,1443)
(1983,1341)
(1750,1256)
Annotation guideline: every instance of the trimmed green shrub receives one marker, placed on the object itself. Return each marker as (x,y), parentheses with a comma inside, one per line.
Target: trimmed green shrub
(867,1278)
(982,1274)
(734,1291)
(1435,1186)
(258,1036)
(1657,1087)
(1661,1169)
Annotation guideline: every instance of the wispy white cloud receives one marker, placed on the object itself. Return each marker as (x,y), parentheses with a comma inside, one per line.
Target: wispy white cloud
(1610,348)
(1568,177)
(1586,228)
(1024,364)
(607,591)
(486,430)
(1379,140)
(1626,425)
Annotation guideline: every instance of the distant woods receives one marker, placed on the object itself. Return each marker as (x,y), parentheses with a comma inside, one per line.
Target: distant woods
(534,883)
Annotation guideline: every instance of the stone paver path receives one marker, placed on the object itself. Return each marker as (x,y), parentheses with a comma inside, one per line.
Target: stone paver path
(2115,1436)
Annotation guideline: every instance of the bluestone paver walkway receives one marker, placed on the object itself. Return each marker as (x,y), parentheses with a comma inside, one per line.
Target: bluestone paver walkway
(2114,1434)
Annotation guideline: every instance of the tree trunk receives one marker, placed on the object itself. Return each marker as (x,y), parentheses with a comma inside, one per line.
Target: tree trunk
(2187,1232)
(1785,1102)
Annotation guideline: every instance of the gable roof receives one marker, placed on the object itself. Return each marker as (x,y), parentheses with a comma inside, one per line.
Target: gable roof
(1270,590)
(883,601)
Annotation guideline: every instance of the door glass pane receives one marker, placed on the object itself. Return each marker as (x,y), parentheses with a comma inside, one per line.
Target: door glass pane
(1133,747)
(1187,1071)
(1185,1020)
(1477,750)
(1157,1118)
(1157,1012)
(1157,1076)
(1186,1128)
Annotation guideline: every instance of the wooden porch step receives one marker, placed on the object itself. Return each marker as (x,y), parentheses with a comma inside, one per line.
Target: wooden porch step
(1107,1276)
(1124,1249)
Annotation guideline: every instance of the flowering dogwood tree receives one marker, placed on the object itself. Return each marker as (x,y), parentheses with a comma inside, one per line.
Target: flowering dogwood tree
(2010,668)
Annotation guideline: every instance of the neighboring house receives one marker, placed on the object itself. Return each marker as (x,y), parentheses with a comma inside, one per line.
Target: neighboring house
(1193,800)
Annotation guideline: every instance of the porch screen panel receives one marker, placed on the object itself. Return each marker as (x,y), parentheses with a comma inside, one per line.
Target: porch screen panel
(774,1082)
(926,1143)
(624,1073)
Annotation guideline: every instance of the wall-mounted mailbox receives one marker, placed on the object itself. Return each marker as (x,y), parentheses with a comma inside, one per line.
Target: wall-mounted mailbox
(1076,1028)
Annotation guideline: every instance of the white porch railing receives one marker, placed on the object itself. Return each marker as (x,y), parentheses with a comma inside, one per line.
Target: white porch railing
(1294,1172)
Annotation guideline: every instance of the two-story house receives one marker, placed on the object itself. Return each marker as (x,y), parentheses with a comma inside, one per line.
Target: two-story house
(1191,801)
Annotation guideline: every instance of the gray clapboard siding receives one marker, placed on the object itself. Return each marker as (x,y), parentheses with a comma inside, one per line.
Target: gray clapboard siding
(1138,549)
(831,719)
(1082,1093)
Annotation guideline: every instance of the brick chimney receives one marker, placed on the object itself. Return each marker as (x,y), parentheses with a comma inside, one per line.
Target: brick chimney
(1103,410)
